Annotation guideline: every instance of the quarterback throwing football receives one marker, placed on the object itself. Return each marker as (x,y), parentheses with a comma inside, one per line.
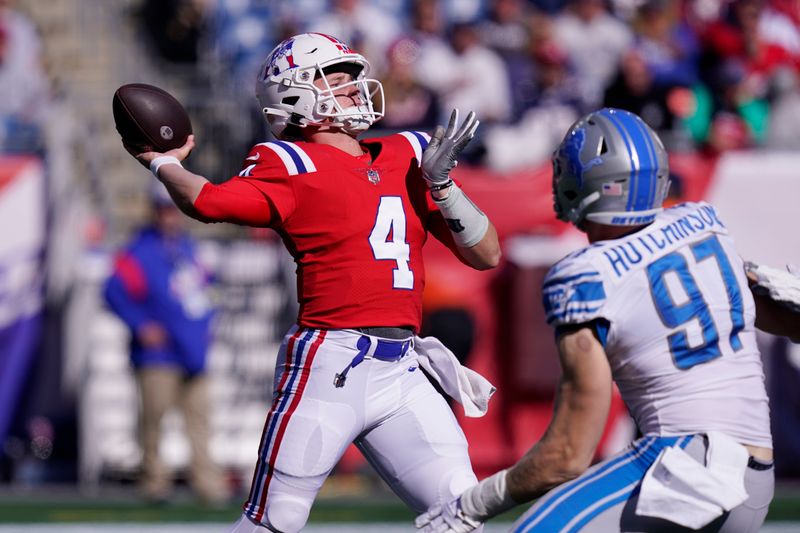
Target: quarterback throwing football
(354,215)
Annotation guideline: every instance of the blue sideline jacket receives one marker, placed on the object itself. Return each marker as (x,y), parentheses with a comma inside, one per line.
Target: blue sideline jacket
(159,279)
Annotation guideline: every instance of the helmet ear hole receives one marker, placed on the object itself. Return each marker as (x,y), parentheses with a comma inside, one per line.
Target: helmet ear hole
(290,100)
(603,147)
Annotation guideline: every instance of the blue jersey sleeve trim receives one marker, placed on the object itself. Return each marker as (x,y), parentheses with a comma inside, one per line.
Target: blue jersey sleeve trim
(556,281)
(588,291)
(599,326)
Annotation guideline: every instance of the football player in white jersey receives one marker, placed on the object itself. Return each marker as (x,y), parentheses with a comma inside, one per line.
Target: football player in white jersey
(659,302)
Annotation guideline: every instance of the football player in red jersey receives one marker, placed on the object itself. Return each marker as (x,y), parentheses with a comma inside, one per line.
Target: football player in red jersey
(355,216)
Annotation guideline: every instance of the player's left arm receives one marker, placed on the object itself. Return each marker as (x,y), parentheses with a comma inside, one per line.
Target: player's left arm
(581,408)
(564,452)
(485,254)
(473,234)
(481,256)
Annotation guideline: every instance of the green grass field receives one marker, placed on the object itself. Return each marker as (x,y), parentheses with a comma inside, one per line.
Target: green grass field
(41,507)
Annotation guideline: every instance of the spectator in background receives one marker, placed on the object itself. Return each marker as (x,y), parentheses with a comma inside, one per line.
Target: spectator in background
(241,33)
(779,24)
(159,290)
(24,87)
(634,89)
(550,7)
(175,27)
(506,32)
(365,25)
(594,41)
(410,105)
(736,39)
(435,67)
(729,113)
(668,46)
(448,68)
(555,82)
(553,104)
(480,81)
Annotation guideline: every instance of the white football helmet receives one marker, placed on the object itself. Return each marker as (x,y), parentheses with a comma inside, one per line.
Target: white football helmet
(287,94)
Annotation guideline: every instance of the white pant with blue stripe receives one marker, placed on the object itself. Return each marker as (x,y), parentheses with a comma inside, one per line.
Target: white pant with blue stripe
(604,498)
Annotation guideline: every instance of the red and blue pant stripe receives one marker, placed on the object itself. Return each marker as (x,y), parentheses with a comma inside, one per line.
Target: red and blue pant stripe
(300,352)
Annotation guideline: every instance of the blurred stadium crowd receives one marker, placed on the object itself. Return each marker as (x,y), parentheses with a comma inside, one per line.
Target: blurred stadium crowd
(710,76)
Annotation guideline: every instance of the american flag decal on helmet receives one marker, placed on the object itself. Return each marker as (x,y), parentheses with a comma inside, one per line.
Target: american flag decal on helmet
(612,189)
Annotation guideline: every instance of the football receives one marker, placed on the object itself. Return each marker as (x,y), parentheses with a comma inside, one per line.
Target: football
(150,119)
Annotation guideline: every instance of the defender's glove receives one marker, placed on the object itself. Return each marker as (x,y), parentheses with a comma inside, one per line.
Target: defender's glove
(447,518)
(477,504)
(442,152)
(782,286)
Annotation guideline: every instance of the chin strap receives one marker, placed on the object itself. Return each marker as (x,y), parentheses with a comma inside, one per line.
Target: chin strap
(575,215)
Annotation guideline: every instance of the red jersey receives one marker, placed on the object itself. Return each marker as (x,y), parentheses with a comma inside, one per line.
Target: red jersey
(354,225)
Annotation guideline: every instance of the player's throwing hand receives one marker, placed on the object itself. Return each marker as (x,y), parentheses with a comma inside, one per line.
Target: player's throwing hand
(442,152)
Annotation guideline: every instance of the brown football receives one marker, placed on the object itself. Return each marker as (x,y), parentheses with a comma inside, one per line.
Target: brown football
(150,119)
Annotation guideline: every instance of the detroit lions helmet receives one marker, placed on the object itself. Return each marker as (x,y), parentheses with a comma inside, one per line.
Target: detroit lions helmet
(287,94)
(611,168)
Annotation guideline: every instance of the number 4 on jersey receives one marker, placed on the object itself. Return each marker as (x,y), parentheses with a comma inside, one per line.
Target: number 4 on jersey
(388,240)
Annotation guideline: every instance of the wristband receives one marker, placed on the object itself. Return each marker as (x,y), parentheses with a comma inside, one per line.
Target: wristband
(488,498)
(162,160)
(441,186)
(467,223)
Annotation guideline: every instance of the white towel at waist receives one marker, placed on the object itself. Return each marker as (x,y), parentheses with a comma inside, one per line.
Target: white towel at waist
(680,489)
(464,385)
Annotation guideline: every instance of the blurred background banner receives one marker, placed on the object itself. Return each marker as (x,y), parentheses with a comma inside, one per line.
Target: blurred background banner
(756,194)
(22,217)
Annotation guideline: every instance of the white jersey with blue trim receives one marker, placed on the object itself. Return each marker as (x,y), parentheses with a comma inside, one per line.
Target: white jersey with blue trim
(674,306)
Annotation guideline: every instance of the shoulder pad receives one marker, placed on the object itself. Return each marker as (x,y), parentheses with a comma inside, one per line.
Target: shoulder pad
(573,292)
(288,156)
(418,140)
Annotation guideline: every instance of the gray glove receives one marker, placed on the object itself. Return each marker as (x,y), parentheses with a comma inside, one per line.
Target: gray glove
(447,518)
(782,286)
(442,152)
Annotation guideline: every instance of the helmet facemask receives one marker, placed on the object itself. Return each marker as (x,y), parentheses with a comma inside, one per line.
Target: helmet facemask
(354,118)
(566,202)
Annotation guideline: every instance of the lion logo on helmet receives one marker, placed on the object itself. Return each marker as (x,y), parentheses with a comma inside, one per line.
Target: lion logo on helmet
(572,148)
